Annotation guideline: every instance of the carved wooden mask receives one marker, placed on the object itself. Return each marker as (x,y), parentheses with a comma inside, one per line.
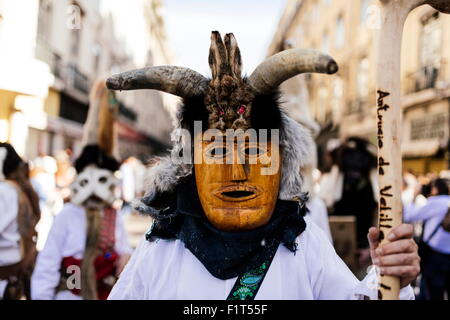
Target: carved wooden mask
(235,194)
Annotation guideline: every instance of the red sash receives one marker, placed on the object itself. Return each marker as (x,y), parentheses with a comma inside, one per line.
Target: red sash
(105,262)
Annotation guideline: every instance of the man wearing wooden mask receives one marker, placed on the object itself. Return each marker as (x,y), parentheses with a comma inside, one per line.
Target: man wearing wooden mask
(229,205)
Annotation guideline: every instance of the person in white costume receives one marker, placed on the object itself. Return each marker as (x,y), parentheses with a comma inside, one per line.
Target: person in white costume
(230,218)
(66,242)
(19,214)
(87,246)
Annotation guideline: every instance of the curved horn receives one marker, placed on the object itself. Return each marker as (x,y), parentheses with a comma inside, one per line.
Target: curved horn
(287,64)
(440,5)
(182,82)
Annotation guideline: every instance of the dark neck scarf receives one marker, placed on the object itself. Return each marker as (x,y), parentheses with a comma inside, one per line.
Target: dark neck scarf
(227,254)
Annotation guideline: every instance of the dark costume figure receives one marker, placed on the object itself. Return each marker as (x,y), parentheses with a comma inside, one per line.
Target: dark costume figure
(87,245)
(350,187)
(19,207)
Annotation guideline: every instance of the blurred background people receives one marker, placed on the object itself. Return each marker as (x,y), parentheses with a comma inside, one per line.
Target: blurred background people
(132,173)
(435,248)
(43,174)
(65,173)
(350,188)
(19,213)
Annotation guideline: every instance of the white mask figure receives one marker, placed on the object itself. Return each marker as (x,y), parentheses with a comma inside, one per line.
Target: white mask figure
(96,184)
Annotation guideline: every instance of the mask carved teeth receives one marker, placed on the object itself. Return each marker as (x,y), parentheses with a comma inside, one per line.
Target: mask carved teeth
(237,193)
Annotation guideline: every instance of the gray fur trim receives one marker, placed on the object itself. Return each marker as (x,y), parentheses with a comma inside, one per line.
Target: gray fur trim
(296,145)
(164,175)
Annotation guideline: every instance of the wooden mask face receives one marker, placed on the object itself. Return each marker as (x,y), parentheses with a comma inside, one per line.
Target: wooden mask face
(234,188)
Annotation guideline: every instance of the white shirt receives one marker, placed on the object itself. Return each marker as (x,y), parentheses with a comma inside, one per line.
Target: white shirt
(165,269)
(433,212)
(319,214)
(9,229)
(67,238)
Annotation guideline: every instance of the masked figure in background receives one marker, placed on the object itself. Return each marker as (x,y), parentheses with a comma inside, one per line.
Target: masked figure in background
(350,188)
(19,214)
(232,225)
(87,246)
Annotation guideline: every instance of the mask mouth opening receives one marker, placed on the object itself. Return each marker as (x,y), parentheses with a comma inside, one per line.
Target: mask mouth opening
(238,194)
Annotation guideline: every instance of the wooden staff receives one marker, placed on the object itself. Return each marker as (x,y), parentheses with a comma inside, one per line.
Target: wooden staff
(393,14)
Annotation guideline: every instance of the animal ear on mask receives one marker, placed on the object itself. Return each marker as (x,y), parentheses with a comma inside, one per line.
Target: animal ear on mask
(234,55)
(218,61)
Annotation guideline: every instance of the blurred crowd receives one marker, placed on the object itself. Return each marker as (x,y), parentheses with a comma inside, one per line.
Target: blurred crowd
(348,187)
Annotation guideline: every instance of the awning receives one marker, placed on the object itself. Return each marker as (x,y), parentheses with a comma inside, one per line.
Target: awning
(127,132)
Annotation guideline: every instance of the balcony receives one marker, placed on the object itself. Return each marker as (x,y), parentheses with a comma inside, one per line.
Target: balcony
(427,77)
(77,80)
(70,77)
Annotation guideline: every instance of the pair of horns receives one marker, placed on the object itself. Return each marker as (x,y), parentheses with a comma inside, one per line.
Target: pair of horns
(185,82)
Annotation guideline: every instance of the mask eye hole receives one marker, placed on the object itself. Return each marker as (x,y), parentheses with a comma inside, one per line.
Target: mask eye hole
(84,182)
(102,179)
(217,152)
(254,151)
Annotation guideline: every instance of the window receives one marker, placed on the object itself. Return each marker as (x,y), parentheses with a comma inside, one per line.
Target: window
(430,42)
(340,32)
(298,35)
(362,79)
(44,29)
(337,96)
(325,42)
(364,10)
(45,20)
(1,17)
(429,127)
(316,12)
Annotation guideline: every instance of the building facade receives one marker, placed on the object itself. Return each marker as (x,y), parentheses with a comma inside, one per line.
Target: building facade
(50,55)
(344,104)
